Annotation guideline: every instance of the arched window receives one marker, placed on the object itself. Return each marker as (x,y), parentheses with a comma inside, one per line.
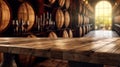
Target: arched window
(103,15)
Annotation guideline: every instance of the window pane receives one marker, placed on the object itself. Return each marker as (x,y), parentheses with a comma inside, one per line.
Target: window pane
(103,14)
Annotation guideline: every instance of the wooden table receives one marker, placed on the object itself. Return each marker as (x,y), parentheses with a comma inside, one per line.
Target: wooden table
(91,50)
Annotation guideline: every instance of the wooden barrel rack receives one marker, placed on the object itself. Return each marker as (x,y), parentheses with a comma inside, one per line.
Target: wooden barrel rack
(49,15)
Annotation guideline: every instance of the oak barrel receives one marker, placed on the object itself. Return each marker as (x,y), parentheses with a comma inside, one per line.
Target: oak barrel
(84,17)
(78,32)
(67,18)
(26,13)
(62,33)
(81,31)
(70,33)
(61,3)
(84,30)
(81,17)
(80,8)
(65,34)
(59,18)
(52,35)
(67,4)
(75,20)
(4,15)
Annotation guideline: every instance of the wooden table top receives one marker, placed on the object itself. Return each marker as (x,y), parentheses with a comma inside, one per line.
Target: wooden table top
(93,50)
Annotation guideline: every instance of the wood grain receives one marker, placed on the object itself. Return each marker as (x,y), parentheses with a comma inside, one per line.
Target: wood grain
(91,50)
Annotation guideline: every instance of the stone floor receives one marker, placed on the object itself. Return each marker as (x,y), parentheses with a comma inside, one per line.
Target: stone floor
(102,34)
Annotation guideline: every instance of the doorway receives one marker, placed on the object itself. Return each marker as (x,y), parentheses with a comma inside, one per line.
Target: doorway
(103,15)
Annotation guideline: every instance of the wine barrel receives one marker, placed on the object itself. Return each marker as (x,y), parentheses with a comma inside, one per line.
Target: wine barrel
(62,33)
(70,33)
(74,7)
(65,34)
(74,14)
(81,17)
(78,32)
(80,8)
(59,18)
(81,31)
(84,30)
(52,1)
(26,13)
(80,20)
(84,18)
(4,15)
(61,3)
(67,4)
(67,19)
(75,20)
(52,35)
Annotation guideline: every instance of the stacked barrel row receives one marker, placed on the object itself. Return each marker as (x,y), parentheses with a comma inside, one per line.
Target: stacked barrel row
(16,16)
(70,18)
(116,24)
(80,18)
(57,18)
(46,16)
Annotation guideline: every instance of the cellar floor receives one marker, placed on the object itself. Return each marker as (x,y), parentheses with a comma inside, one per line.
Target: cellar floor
(102,34)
